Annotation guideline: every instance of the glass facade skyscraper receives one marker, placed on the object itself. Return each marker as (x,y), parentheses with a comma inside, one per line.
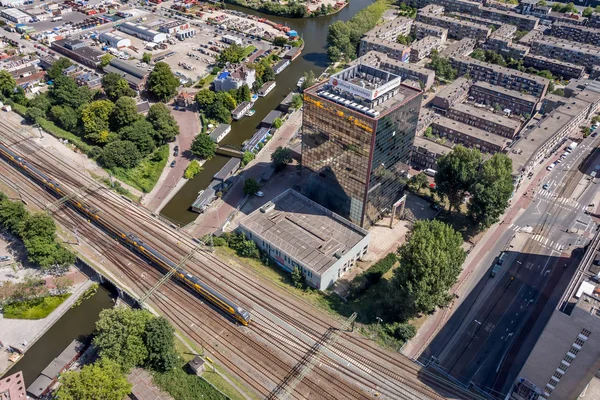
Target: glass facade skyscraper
(357,134)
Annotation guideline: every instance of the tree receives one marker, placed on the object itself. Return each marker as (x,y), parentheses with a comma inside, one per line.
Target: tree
(542,3)
(105,60)
(122,154)
(404,39)
(227,100)
(492,190)
(277,123)
(96,120)
(334,53)
(587,12)
(33,113)
(219,112)
(478,54)
(47,253)
(12,213)
(162,83)
(205,98)
(456,172)
(297,101)
(243,94)
(192,169)
(442,67)
(418,182)
(37,225)
(120,336)
(115,86)
(160,342)
(430,262)
(280,41)
(65,116)
(65,92)
(203,147)
(7,83)
(141,132)
(298,278)
(125,113)
(164,124)
(232,54)
(103,380)
(58,67)
(281,157)
(247,157)
(251,186)
(63,284)
(309,80)
(147,57)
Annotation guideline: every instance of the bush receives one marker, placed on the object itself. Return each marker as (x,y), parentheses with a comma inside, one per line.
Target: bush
(192,170)
(181,385)
(35,308)
(373,275)
(145,175)
(247,157)
(401,331)
(242,246)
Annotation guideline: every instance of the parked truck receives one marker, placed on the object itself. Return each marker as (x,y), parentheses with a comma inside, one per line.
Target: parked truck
(571,147)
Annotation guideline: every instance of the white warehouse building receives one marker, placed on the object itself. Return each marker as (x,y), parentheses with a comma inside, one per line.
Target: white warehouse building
(142,32)
(15,15)
(296,232)
(114,40)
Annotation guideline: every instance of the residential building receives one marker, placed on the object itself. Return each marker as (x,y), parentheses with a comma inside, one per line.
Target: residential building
(563,50)
(135,76)
(292,53)
(393,50)
(501,42)
(269,120)
(563,69)
(185,99)
(469,136)
(594,21)
(457,29)
(494,122)
(427,152)
(476,19)
(281,65)
(421,49)
(532,35)
(501,76)
(462,47)
(114,40)
(454,93)
(532,7)
(266,88)
(219,132)
(260,136)
(142,32)
(492,95)
(241,110)
(391,30)
(410,73)
(15,15)
(421,30)
(566,18)
(357,135)
(580,34)
(296,232)
(234,78)
(12,387)
(595,72)
(89,79)
(78,51)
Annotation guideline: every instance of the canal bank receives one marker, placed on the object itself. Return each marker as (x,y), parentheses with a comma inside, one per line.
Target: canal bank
(314,57)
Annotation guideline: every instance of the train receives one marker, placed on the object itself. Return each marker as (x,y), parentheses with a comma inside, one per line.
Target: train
(132,241)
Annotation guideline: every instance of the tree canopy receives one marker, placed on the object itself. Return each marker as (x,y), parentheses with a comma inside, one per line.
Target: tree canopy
(115,86)
(442,67)
(251,186)
(162,83)
(58,67)
(141,132)
(7,83)
(159,337)
(96,120)
(203,147)
(165,126)
(121,153)
(102,380)
(65,92)
(281,157)
(456,172)
(232,54)
(124,113)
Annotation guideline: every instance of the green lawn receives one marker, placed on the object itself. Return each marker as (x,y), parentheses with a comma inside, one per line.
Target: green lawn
(34,309)
(248,50)
(182,386)
(146,174)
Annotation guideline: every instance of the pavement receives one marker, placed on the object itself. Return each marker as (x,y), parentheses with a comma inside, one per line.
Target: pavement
(488,327)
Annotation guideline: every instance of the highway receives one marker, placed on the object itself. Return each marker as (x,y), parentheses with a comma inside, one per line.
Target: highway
(486,341)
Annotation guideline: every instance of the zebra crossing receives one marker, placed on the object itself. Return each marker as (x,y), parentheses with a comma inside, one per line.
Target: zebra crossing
(545,242)
(561,202)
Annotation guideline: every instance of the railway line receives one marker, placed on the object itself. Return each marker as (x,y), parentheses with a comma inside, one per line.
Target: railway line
(265,363)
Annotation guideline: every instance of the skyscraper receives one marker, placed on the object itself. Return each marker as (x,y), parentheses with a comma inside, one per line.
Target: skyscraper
(357,135)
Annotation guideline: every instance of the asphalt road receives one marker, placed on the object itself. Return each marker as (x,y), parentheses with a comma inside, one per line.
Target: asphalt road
(479,340)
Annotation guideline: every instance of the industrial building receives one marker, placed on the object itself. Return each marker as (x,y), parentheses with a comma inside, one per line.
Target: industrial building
(78,51)
(142,32)
(15,15)
(230,39)
(173,27)
(513,100)
(135,76)
(114,40)
(296,232)
(358,131)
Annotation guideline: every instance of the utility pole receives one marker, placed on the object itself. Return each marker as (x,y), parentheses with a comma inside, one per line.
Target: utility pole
(64,199)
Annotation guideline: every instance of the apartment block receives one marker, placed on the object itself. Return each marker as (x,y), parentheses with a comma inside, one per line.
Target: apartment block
(465,6)
(410,73)
(421,31)
(474,18)
(501,76)
(469,136)
(421,49)
(493,122)
(492,95)
(594,20)
(426,152)
(531,36)
(457,29)
(394,50)
(559,68)
(462,47)
(572,19)
(392,29)
(572,52)
(454,93)
(501,42)
(575,33)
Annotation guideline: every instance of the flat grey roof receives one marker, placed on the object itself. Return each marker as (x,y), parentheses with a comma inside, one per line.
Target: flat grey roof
(271,117)
(306,231)
(449,90)
(505,91)
(469,130)
(498,119)
(39,385)
(502,70)
(430,145)
(229,168)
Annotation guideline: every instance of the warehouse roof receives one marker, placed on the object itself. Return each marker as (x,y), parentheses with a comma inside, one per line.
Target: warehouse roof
(304,230)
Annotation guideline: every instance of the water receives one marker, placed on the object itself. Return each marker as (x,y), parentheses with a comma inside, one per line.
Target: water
(77,323)
(314,57)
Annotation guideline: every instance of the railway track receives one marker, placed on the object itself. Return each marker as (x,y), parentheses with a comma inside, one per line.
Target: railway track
(394,373)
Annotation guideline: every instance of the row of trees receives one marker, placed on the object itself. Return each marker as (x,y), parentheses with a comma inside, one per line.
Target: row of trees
(343,38)
(38,233)
(291,8)
(125,338)
(264,71)
(218,105)
(442,67)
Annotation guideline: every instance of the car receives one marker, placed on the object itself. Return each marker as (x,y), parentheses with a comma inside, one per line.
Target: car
(435,206)
(260,194)
(546,186)
(176,153)
(176,148)
(5,258)
(173,163)
(558,161)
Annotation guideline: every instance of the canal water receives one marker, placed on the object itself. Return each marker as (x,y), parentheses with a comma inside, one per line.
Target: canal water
(314,57)
(77,323)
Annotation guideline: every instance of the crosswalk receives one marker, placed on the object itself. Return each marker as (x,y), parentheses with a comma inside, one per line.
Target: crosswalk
(545,242)
(562,202)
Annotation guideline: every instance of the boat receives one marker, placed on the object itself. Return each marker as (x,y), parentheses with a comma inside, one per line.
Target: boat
(254,98)
(250,113)
(300,82)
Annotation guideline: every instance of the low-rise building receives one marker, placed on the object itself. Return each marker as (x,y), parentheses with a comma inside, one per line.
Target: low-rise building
(454,93)
(421,49)
(241,110)
(393,50)
(421,30)
(78,51)
(572,52)
(423,77)
(564,69)
(135,76)
(469,136)
(268,121)
(188,33)
(462,47)
(501,76)
(114,40)
(575,33)
(427,152)
(292,53)
(280,66)
(12,387)
(594,20)
(173,27)
(230,39)
(296,232)
(15,15)
(234,79)
(457,29)
(220,132)
(266,88)
(492,95)
(497,123)
(142,32)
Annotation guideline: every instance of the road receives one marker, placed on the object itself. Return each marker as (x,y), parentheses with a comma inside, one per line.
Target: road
(483,334)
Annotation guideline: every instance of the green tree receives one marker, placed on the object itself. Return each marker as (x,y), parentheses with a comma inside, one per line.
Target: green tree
(65,116)
(334,53)
(47,253)
(227,100)
(205,98)
(58,67)
(95,118)
(492,190)
(37,225)
(418,182)
(162,83)
(192,169)
(232,54)
(404,39)
(251,186)
(33,113)
(297,101)
(121,153)
(587,12)
(147,57)
(247,157)
(12,213)
(103,380)
(159,338)
(298,278)
(164,124)
(280,41)
(219,112)
(65,92)
(120,336)
(542,3)
(309,80)
(105,60)
(7,83)
(42,102)
(478,54)
(115,86)
(430,262)
(277,122)
(203,147)
(456,171)
(281,157)
(124,113)
(243,94)
(142,133)
(442,67)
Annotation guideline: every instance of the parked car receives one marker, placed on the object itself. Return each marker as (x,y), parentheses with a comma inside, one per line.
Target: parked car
(173,163)
(546,186)
(260,194)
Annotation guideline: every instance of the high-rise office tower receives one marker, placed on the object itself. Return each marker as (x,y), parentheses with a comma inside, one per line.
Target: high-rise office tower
(358,130)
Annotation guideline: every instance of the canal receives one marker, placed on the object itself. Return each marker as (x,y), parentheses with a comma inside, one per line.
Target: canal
(77,323)
(314,57)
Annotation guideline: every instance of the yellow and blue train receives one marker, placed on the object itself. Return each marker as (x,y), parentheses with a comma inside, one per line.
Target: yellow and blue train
(238,313)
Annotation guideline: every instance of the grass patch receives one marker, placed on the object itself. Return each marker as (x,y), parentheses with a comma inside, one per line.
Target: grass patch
(220,383)
(182,386)
(145,175)
(248,50)
(34,309)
